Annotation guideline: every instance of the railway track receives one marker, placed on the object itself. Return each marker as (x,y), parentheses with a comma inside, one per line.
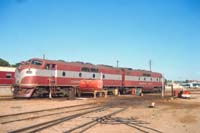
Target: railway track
(92,123)
(10,118)
(87,116)
(77,113)
(51,109)
(109,119)
(46,115)
(48,124)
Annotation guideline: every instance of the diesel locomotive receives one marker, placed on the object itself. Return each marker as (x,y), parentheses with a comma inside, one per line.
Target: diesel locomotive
(37,77)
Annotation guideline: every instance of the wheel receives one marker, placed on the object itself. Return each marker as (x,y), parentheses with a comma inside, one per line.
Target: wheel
(124,91)
(71,93)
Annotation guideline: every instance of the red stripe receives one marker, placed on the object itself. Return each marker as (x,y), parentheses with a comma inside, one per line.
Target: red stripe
(6,81)
(143,84)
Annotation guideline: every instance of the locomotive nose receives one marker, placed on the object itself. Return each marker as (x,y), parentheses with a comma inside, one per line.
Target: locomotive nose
(17,76)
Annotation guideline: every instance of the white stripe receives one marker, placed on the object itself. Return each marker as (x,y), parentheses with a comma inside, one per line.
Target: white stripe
(131,78)
(75,74)
(59,74)
(7,69)
(87,75)
(141,78)
(113,77)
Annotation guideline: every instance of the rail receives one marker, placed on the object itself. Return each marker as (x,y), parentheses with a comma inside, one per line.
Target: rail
(45,125)
(23,113)
(51,114)
(95,122)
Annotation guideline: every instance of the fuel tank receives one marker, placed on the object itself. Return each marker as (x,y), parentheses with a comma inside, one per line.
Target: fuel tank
(91,85)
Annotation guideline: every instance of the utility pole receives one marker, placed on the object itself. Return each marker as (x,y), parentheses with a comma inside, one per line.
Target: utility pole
(150,64)
(117,63)
(163,86)
(43,56)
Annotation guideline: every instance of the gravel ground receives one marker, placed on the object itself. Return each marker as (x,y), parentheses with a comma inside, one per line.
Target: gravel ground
(168,116)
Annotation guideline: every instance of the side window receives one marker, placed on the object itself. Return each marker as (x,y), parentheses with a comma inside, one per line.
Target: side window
(144,79)
(80,75)
(53,66)
(36,62)
(8,75)
(50,66)
(104,76)
(139,78)
(93,75)
(47,66)
(63,74)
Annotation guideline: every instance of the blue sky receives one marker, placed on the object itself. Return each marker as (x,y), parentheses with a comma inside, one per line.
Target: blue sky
(103,31)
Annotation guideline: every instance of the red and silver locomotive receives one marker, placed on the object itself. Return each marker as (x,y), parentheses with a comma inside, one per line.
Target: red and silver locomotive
(36,76)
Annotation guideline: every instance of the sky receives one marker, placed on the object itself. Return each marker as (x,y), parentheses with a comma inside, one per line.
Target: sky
(167,32)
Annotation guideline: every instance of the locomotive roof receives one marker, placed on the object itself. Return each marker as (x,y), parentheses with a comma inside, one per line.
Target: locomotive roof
(64,62)
(92,65)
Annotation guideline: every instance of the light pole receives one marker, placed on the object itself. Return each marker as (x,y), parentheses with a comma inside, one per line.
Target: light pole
(150,64)
(44,56)
(117,63)
(163,86)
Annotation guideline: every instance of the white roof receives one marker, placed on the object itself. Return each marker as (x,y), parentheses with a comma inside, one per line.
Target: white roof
(7,69)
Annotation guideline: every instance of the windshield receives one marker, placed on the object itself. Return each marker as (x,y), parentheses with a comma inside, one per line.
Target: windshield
(36,62)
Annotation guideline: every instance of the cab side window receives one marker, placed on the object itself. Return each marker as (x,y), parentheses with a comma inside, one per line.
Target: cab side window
(53,66)
(8,75)
(47,66)
(50,66)
(36,62)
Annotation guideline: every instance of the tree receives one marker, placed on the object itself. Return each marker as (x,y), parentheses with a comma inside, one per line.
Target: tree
(16,65)
(4,62)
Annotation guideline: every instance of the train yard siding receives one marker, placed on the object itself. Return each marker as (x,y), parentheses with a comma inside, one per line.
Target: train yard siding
(169,115)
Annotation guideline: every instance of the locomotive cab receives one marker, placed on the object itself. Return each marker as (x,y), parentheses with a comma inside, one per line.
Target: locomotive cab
(24,81)
(36,63)
(32,63)
(27,69)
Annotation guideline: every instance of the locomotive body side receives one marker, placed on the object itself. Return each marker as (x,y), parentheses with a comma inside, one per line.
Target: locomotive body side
(39,77)
(147,80)
(112,77)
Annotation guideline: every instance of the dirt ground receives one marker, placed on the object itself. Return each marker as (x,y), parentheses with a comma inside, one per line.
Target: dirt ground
(168,116)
